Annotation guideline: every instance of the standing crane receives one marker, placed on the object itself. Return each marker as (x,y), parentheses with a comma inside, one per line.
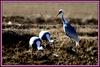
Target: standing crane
(68,29)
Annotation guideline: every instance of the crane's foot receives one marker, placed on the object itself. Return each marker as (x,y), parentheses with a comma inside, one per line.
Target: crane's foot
(71,50)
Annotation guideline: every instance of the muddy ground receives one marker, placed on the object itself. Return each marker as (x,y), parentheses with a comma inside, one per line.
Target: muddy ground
(16,36)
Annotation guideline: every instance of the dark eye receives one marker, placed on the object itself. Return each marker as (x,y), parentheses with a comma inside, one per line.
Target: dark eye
(60,12)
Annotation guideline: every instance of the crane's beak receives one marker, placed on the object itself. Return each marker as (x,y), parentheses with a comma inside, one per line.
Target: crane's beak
(58,14)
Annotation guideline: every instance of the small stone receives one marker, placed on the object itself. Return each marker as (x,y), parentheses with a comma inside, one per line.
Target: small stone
(56,55)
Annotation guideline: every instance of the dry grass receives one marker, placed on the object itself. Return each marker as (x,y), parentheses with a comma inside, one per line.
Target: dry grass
(15,43)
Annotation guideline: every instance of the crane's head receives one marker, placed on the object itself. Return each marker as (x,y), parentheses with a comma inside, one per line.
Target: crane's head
(61,12)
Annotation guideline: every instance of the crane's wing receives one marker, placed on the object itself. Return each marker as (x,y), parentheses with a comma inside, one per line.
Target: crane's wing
(71,32)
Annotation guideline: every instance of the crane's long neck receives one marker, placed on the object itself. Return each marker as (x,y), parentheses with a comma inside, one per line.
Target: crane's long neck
(63,19)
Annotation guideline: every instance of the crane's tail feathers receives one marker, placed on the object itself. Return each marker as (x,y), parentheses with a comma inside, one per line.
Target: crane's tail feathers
(79,39)
(77,44)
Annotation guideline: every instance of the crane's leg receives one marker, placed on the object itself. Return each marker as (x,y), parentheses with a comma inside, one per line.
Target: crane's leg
(73,47)
(77,44)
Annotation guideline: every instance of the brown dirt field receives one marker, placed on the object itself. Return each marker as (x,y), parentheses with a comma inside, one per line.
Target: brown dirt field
(16,38)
